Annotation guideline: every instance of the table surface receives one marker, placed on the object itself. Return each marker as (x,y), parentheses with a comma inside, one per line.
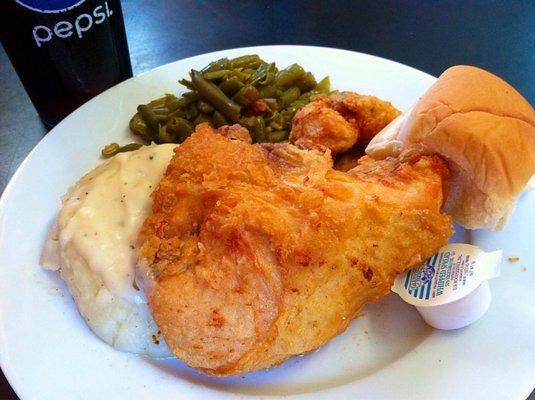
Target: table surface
(430,36)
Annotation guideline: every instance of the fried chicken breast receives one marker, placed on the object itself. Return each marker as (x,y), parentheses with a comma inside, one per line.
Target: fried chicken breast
(256,253)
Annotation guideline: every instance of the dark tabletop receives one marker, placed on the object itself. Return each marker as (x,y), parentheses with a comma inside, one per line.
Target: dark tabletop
(428,35)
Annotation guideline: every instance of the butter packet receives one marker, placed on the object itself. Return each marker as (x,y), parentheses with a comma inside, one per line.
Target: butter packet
(450,290)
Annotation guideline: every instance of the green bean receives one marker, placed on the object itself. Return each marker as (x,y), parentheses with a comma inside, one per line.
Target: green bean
(165,136)
(253,64)
(231,86)
(177,113)
(259,74)
(242,76)
(148,116)
(256,127)
(219,119)
(191,96)
(176,104)
(276,136)
(216,97)
(270,91)
(130,147)
(114,148)
(161,118)
(159,102)
(246,74)
(160,110)
(169,98)
(288,111)
(224,92)
(307,82)
(139,127)
(272,104)
(298,104)
(324,86)
(246,61)
(205,107)
(179,127)
(215,75)
(276,125)
(191,111)
(287,115)
(259,130)
(247,122)
(289,96)
(287,77)
(252,125)
(202,117)
(276,121)
(186,83)
(270,75)
(264,75)
(308,95)
(246,95)
(222,63)
(110,150)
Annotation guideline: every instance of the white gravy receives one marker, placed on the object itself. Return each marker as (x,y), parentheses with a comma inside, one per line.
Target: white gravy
(103,213)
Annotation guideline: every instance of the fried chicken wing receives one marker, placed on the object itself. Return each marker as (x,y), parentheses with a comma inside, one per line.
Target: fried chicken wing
(256,253)
(369,113)
(318,126)
(338,121)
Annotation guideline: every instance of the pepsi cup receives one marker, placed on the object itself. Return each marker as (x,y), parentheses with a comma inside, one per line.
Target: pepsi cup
(64,51)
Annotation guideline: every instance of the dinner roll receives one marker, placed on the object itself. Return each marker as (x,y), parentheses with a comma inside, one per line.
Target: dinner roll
(484,128)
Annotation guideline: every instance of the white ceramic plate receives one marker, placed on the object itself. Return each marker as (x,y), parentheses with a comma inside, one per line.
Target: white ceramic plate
(47,351)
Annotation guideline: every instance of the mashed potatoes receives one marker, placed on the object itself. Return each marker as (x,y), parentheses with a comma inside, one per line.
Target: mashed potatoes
(94,246)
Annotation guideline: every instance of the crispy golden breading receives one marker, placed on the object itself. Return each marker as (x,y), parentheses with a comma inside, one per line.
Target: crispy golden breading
(236,132)
(369,113)
(318,126)
(262,252)
(337,122)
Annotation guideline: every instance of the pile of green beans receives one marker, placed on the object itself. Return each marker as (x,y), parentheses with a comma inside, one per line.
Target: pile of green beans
(245,90)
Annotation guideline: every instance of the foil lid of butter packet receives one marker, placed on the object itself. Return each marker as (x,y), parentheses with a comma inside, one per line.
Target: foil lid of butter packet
(451,274)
